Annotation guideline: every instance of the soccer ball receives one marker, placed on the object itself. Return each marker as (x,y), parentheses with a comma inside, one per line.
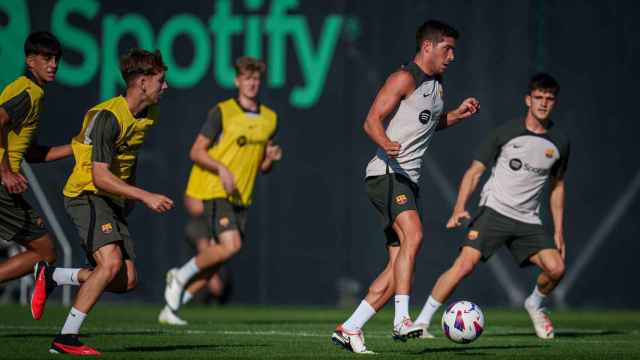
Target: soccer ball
(463,322)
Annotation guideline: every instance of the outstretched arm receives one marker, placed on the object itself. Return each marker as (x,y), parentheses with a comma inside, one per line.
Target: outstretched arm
(399,85)
(103,134)
(468,107)
(556,203)
(467,187)
(40,153)
(106,181)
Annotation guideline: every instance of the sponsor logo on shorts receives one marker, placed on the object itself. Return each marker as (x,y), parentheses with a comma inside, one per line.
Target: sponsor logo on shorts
(224,222)
(425,116)
(401,199)
(107,228)
(549,153)
(473,234)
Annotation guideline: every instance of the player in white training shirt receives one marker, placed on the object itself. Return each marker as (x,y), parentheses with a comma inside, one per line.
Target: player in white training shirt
(411,100)
(523,156)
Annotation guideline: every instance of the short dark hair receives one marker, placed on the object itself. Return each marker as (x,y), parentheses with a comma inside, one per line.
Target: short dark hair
(42,43)
(434,31)
(249,64)
(544,82)
(138,62)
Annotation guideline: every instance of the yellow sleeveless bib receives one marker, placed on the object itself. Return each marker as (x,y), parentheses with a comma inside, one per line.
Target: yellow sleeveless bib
(240,148)
(130,139)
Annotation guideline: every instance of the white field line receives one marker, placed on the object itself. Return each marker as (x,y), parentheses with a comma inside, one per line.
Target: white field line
(502,330)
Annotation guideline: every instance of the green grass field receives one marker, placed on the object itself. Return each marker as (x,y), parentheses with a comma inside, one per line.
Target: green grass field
(131,332)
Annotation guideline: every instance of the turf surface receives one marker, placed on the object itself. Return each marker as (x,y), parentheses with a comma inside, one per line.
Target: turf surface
(132,332)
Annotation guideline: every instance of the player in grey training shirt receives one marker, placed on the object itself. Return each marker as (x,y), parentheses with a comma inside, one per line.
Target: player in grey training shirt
(411,100)
(523,156)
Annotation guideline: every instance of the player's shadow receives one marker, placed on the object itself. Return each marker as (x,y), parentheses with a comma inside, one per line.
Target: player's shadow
(288,321)
(579,334)
(50,335)
(472,350)
(563,334)
(179,347)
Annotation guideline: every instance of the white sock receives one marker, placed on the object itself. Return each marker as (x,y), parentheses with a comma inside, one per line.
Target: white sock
(402,308)
(535,299)
(430,308)
(187,271)
(74,322)
(65,276)
(363,313)
(186,297)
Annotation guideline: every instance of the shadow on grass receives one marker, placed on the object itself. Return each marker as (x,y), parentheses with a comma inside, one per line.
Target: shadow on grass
(178,348)
(469,350)
(52,335)
(565,334)
(331,322)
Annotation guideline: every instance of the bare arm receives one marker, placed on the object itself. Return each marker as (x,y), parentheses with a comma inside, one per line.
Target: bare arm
(467,187)
(39,153)
(200,155)
(557,213)
(104,180)
(468,107)
(14,182)
(399,85)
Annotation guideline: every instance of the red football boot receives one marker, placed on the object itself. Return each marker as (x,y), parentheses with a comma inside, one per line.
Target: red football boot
(43,288)
(69,344)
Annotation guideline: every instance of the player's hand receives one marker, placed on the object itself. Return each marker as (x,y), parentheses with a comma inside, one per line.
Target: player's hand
(468,107)
(15,183)
(392,149)
(559,239)
(158,202)
(273,152)
(457,218)
(228,180)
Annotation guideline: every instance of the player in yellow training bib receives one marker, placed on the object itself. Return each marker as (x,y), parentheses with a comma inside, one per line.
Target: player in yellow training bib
(234,144)
(20,108)
(101,189)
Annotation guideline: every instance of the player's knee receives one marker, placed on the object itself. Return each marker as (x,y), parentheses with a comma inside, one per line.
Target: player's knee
(132,282)
(464,267)
(414,240)
(232,247)
(112,267)
(556,271)
(50,258)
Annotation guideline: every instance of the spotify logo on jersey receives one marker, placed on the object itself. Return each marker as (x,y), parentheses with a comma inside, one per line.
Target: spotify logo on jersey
(242,141)
(425,116)
(515,164)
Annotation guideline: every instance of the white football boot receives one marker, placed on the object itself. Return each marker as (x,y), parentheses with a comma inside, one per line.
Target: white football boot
(541,322)
(425,332)
(350,340)
(168,317)
(173,290)
(406,329)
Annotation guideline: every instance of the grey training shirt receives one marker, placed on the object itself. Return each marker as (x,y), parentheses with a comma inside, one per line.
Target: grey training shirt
(522,163)
(412,125)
